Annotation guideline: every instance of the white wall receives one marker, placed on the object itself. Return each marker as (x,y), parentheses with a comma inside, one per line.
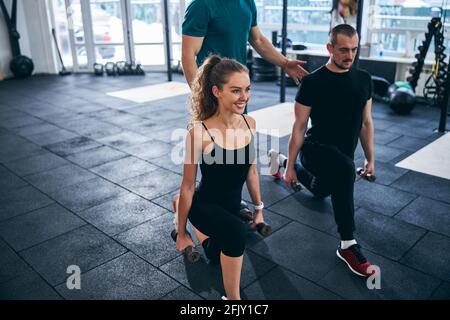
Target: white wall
(35,37)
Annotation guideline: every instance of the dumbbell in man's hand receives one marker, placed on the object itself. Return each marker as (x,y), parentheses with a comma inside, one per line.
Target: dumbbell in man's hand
(368,177)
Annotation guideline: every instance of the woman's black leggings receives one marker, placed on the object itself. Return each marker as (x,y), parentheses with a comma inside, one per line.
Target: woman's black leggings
(330,171)
(226,231)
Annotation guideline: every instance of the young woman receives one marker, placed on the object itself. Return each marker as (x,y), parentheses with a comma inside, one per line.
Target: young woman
(221,140)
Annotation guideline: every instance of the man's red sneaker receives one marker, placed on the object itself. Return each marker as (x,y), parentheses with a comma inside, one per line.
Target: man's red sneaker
(355,260)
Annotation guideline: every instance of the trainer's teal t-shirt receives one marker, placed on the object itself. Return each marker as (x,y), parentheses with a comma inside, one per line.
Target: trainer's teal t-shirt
(224,24)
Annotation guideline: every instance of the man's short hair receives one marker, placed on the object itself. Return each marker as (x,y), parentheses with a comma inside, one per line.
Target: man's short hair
(344,29)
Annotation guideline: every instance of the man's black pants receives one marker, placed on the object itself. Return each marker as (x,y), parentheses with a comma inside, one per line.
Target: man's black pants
(330,172)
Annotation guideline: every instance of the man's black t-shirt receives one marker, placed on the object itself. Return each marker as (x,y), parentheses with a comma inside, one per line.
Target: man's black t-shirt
(337,102)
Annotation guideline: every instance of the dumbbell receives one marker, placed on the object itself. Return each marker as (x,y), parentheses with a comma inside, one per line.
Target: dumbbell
(296,186)
(263,228)
(246,214)
(121,70)
(98,69)
(368,177)
(190,253)
(111,68)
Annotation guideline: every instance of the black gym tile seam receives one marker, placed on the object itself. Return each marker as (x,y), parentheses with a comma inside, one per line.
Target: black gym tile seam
(279,230)
(311,276)
(110,146)
(80,217)
(65,233)
(338,241)
(88,223)
(44,146)
(396,179)
(407,204)
(159,167)
(400,209)
(101,264)
(401,156)
(72,131)
(389,261)
(155,196)
(413,149)
(25,174)
(327,232)
(263,273)
(419,197)
(412,247)
(113,236)
(116,184)
(421,193)
(35,152)
(298,275)
(55,237)
(142,256)
(401,136)
(272,204)
(424,273)
(436,289)
(412,267)
(99,176)
(2,165)
(31,268)
(24,213)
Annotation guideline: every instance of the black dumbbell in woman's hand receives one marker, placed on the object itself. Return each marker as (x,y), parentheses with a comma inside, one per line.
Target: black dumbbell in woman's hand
(368,177)
(191,254)
(264,229)
(246,215)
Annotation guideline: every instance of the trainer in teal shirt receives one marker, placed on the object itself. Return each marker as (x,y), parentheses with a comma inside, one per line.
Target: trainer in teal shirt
(224,24)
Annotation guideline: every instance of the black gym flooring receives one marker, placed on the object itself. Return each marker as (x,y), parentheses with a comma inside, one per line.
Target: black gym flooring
(86,180)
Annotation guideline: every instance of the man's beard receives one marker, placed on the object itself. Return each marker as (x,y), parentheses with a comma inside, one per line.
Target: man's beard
(341,66)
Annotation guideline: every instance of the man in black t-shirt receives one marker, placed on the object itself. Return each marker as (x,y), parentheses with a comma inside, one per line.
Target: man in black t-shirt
(338,100)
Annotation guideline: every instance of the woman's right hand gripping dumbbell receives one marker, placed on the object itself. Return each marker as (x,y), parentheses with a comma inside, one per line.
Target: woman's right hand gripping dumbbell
(184,241)
(259,225)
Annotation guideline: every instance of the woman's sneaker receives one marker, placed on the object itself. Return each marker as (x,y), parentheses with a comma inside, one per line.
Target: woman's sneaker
(274,163)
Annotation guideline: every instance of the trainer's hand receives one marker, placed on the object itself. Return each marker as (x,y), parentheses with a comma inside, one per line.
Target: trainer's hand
(369,168)
(183,242)
(293,68)
(290,177)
